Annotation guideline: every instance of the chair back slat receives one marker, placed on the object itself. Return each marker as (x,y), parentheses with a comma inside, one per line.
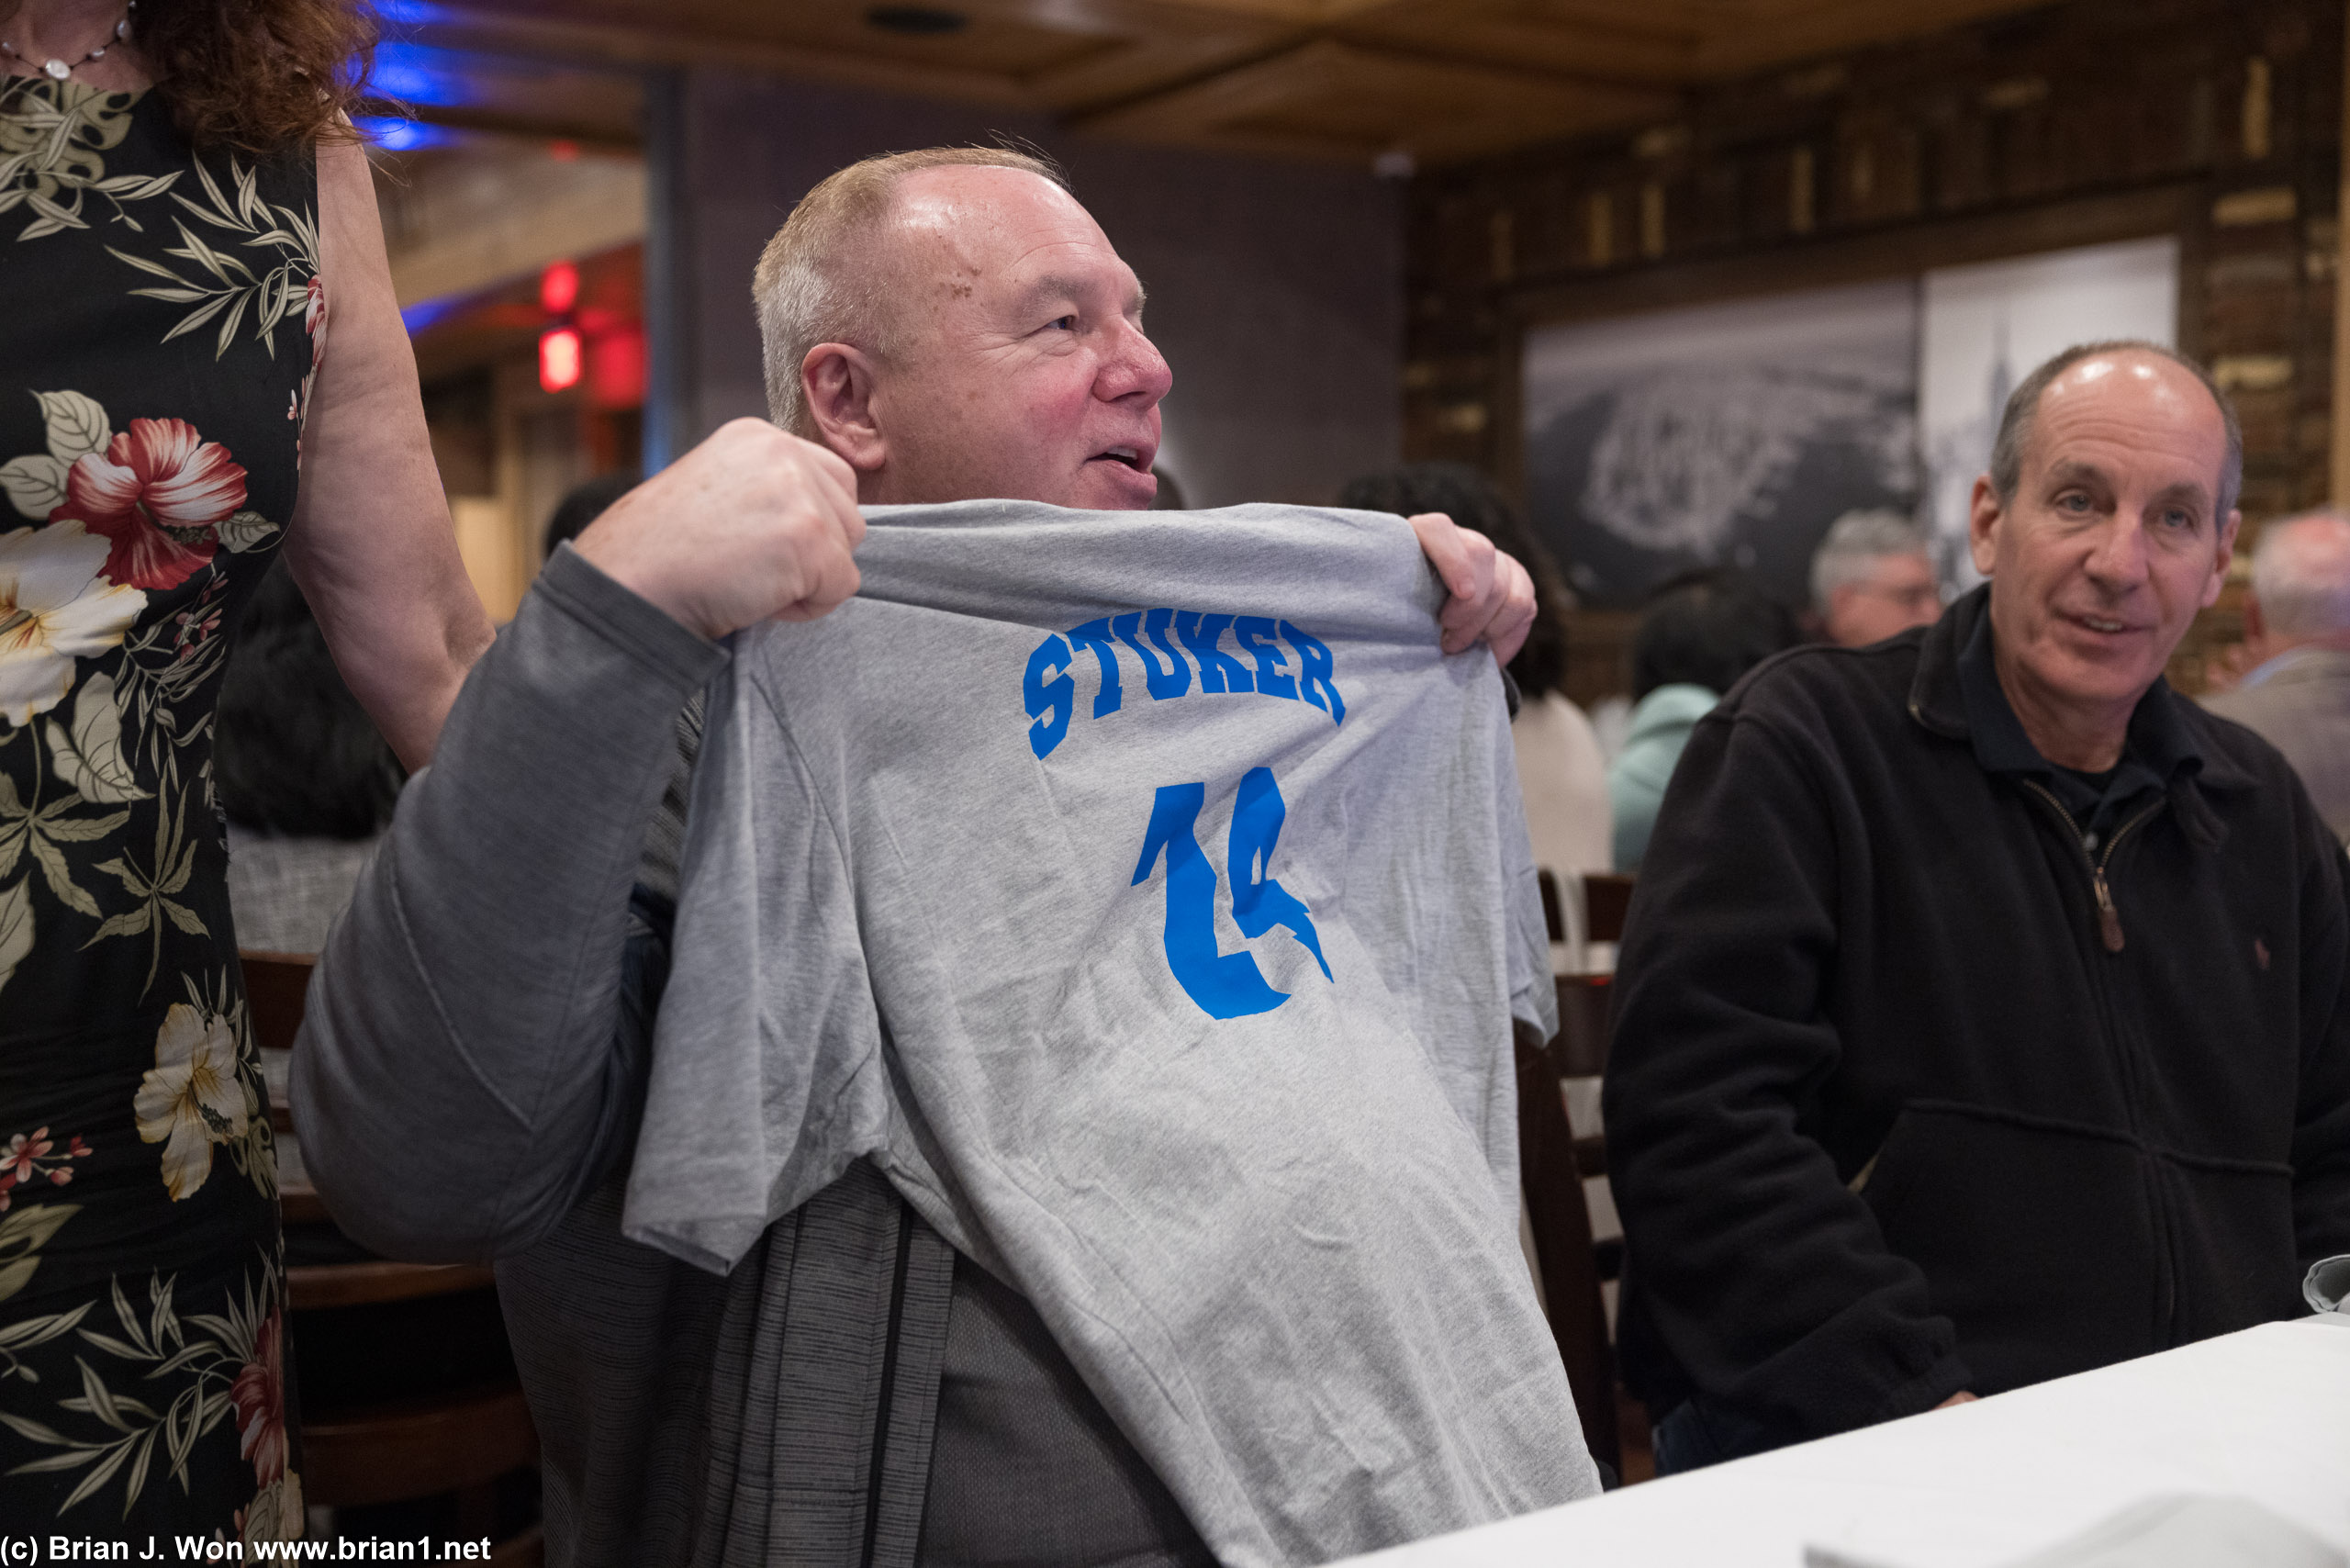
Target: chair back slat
(1605,897)
(1557,1214)
(1586,1015)
(1554,914)
(277,984)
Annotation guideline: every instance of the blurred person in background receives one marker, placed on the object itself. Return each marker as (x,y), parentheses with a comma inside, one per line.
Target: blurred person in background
(1873,579)
(583,503)
(1561,770)
(206,368)
(1700,632)
(306,781)
(2297,623)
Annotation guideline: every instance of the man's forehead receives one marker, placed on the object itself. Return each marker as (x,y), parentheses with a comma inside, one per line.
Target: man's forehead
(2134,386)
(2125,396)
(988,213)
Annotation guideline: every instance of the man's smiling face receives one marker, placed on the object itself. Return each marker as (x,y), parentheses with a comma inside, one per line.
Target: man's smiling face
(2113,539)
(1014,364)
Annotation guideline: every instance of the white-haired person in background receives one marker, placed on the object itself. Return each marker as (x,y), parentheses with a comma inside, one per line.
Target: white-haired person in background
(1872,578)
(2297,625)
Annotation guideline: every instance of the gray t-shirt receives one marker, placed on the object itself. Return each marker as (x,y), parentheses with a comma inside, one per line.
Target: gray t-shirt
(1149,897)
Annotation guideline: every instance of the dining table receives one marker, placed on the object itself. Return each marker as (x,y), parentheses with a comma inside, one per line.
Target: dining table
(2262,1416)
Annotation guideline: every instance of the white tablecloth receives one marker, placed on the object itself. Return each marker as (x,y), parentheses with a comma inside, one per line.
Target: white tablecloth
(2264,1415)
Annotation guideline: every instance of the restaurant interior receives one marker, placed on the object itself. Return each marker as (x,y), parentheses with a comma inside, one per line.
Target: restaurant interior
(1687,279)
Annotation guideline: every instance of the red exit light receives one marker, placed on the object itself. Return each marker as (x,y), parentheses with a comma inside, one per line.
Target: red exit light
(616,368)
(558,358)
(559,288)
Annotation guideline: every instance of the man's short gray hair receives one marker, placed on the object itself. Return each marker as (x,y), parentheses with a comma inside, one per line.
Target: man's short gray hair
(2023,408)
(1854,546)
(812,285)
(2301,573)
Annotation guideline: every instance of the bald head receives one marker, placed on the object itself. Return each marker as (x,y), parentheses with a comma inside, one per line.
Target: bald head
(2300,576)
(824,276)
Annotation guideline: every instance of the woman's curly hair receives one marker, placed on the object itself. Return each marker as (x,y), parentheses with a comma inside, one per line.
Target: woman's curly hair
(262,75)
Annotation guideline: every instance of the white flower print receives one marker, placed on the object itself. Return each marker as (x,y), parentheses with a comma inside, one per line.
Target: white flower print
(192,1098)
(54,609)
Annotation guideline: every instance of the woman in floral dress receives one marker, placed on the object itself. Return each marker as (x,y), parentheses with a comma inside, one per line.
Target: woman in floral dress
(182,213)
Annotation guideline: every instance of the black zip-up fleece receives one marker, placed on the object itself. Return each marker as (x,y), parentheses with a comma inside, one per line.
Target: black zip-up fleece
(1895,1109)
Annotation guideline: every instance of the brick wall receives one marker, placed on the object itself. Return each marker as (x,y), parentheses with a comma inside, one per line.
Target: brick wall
(2216,119)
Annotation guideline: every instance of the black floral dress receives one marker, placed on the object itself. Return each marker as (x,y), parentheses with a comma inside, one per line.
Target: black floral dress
(163,315)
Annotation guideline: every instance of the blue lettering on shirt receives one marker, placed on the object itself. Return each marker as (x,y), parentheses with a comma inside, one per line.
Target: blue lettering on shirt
(1159,640)
(1259,903)
(1313,660)
(1095,634)
(1050,702)
(1224,985)
(1255,636)
(1169,677)
(1219,671)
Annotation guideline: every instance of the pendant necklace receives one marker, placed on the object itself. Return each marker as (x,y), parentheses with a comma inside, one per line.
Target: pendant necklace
(57,69)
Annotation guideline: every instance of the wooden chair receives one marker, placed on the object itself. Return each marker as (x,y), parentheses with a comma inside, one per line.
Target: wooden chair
(1554,1165)
(1586,1015)
(1556,1211)
(1554,915)
(277,984)
(1586,1019)
(1605,897)
(393,1450)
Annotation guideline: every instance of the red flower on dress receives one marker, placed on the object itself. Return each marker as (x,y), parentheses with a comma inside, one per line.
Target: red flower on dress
(259,1394)
(23,1150)
(29,1155)
(314,313)
(157,493)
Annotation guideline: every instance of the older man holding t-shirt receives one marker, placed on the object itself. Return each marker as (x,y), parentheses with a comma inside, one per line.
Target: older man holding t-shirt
(939,327)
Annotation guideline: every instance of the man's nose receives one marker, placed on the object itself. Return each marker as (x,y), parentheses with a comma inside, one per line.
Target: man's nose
(1134,368)
(2118,561)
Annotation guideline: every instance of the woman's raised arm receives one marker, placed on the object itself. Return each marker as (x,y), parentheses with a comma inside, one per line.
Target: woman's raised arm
(371,545)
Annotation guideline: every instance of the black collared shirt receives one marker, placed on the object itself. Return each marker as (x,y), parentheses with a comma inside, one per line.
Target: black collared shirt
(2157,747)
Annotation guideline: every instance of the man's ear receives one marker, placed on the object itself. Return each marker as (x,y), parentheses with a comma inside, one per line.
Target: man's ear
(2227,553)
(836,381)
(1984,514)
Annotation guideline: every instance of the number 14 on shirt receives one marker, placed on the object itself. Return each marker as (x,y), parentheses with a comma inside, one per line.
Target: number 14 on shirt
(1224,985)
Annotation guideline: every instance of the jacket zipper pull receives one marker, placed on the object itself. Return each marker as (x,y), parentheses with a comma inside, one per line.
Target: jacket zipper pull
(2109,919)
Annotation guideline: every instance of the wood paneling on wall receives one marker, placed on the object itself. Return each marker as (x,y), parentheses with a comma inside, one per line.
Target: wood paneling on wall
(2217,121)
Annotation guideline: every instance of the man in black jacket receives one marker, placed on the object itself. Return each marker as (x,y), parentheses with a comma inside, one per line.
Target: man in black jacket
(1983,1012)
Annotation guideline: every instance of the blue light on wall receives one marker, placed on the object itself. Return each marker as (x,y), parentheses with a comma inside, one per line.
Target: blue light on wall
(412,13)
(419,75)
(424,312)
(402,135)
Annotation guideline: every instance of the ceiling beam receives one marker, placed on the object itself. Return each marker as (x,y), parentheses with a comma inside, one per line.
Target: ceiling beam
(609,44)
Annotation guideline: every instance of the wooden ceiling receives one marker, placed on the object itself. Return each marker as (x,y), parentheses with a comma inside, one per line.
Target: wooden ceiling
(1436,80)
